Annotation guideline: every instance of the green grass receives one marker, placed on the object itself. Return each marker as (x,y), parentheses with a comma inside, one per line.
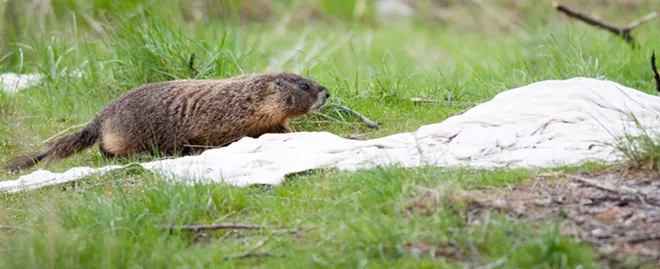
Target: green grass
(360,218)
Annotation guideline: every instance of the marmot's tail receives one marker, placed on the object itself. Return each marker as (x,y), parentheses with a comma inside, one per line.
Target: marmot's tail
(59,149)
(24,162)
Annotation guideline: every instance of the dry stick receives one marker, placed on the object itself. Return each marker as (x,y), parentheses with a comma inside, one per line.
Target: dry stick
(623,32)
(641,21)
(449,103)
(13,228)
(367,121)
(621,190)
(656,75)
(605,187)
(213,227)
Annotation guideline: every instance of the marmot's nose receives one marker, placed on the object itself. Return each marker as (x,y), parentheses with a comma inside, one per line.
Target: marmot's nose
(327,94)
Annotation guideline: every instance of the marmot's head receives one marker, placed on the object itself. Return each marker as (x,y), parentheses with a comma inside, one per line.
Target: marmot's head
(300,95)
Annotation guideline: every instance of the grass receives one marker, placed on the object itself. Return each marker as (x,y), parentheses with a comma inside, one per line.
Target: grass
(360,218)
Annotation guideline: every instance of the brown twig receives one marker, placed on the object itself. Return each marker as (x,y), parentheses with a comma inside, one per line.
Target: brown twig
(641,21)
(233,226)
(449,103)
(621,190)
(251,255)
(605,187)
(367,121)
(623,32)
(213,227)
(13,228)
(656,75)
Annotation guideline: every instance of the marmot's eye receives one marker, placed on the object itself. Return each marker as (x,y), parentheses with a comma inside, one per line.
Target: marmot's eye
(304,86)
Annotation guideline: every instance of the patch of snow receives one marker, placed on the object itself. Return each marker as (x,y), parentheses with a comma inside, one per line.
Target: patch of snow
(544,124)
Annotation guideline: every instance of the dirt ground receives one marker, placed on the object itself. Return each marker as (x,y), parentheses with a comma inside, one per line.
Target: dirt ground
(616,211)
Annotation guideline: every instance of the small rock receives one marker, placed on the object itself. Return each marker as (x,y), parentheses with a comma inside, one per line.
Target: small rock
(607,249)
(542,202)
(584,202)
(600,233)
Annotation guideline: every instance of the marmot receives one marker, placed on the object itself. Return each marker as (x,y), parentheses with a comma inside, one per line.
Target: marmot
(168,117)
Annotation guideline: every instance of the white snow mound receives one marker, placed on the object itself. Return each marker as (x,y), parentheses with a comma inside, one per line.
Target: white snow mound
(544,124)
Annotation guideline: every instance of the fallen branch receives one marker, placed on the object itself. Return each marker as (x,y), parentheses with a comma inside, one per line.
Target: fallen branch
(641,21)
(367,121)
(213,227)
(251,255)
(449,103)
(623,32)
(605,187)
(620,190)
(656,75)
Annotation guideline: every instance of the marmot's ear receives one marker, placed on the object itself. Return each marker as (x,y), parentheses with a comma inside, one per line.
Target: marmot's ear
(278,80)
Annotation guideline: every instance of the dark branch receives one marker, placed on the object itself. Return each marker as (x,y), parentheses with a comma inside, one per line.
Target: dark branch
(623,32)
(587,19)
(231,226)
(197,228)
(251,255)
(656,75)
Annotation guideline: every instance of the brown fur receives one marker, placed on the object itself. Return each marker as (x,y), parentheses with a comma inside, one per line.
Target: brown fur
(164,117)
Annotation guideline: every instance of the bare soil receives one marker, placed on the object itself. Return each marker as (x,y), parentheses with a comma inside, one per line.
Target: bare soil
(617,211)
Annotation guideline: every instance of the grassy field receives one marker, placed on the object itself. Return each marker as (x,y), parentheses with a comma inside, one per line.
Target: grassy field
(344,220)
